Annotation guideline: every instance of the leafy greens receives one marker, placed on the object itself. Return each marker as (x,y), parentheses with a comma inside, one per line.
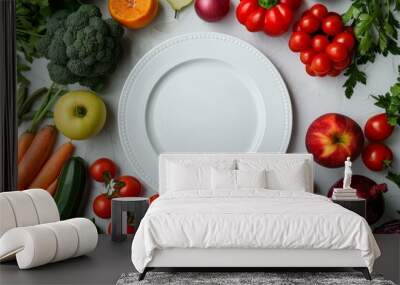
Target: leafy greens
(375,27)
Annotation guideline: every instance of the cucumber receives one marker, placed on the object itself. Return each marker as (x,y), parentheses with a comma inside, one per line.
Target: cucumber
(72,193)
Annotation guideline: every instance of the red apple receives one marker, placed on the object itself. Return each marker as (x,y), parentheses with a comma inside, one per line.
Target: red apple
(333,137)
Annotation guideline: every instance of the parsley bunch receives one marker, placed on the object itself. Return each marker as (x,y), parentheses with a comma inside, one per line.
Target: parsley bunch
(375,26)
(391,102)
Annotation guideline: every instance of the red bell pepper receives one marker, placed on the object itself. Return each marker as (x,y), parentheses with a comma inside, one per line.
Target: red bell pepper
(271,16)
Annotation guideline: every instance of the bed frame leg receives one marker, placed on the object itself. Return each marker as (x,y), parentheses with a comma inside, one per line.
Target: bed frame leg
(364,271)
(143,274)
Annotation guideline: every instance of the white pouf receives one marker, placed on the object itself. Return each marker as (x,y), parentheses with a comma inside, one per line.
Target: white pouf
(37,245)
(31,231)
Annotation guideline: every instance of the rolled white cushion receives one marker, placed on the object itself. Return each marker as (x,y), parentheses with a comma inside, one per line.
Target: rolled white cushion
(33,246)
(40,244)
(7,218)
(66,238)
(23,208)
(87,235)
(46,207)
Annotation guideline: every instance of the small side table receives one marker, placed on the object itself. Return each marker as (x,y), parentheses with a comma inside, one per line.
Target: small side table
(356,205)
(119,208)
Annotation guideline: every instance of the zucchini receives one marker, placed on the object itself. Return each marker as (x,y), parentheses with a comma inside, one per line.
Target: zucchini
(72,193)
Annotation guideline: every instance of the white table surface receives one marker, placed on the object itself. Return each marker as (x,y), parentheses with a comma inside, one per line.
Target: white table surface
(311,97)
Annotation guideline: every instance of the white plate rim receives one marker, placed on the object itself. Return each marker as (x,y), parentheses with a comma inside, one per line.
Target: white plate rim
(130,152)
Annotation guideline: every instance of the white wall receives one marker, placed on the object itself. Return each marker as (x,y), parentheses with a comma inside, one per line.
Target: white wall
(311,97)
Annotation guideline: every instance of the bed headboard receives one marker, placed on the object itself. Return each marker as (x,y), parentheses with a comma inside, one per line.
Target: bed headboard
(167,157)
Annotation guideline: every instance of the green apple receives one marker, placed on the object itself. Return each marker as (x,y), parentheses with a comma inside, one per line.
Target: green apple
(79,115)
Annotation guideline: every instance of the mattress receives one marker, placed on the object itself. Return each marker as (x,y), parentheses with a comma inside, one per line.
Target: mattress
(251,219)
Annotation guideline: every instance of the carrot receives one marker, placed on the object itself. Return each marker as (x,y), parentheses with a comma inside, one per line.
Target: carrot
(53,166)
(36,156)
(24,143)
(52,189)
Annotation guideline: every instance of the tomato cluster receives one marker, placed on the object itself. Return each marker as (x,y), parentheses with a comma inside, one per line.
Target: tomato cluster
(377,155)
(324,43)
(103,170)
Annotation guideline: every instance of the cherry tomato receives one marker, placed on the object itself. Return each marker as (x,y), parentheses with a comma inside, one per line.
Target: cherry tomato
(376,156)
(153,198)
(347,39)
(319,11)
(321,64)
(334,72)
(332,25)
(377,128)
(307,56)
(296,27)
(102,206)
(128,186)
(337,52)
(102,168)
(309,24)
(129,229)
(299,41)
(293,4)
(341,65)
(310,71)
(319,43)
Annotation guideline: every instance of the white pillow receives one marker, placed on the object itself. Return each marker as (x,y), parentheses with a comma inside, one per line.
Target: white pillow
(292,175)
(238,179)
(223,179)
(193,173)
(251,178)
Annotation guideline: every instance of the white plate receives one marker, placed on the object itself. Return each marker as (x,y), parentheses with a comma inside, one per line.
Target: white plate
(202,92)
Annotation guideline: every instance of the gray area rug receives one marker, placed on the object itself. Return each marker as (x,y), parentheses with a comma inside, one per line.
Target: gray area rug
(269,278)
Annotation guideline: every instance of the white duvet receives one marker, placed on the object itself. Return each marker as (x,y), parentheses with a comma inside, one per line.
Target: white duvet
(253,218)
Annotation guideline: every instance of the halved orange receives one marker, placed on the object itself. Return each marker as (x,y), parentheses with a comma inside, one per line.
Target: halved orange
(133,14)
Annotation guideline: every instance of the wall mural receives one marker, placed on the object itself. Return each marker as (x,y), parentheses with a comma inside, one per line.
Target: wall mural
(74,59)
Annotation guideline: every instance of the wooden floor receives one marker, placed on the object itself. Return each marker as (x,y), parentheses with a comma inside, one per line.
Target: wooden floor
(106,264)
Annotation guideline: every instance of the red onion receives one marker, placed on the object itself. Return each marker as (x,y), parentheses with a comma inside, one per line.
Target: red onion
(212,10)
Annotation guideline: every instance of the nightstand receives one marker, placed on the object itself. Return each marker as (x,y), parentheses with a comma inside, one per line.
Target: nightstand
(356,205)
(119,211)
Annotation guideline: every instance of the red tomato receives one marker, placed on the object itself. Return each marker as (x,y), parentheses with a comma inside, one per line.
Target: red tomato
(346,39)
(310,71)
(102,206)
(299,41)
(319,11)
(296,27)
(309,24)
(321,64)
(102,168)
(319,43)
(332,25)
(377,156)
(129,229)
(293,4)
(334,72)
(307,56)
(153,198)
(250,14)
(341,65)
(128,186)
(337,52)
(377,128)
(278,19)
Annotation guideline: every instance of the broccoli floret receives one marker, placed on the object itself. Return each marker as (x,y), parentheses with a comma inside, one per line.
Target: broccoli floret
(81,46)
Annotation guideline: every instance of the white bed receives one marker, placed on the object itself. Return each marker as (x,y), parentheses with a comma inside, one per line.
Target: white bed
(193,224)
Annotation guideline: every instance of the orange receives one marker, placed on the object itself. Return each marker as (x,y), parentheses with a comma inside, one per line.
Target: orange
(133,14)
